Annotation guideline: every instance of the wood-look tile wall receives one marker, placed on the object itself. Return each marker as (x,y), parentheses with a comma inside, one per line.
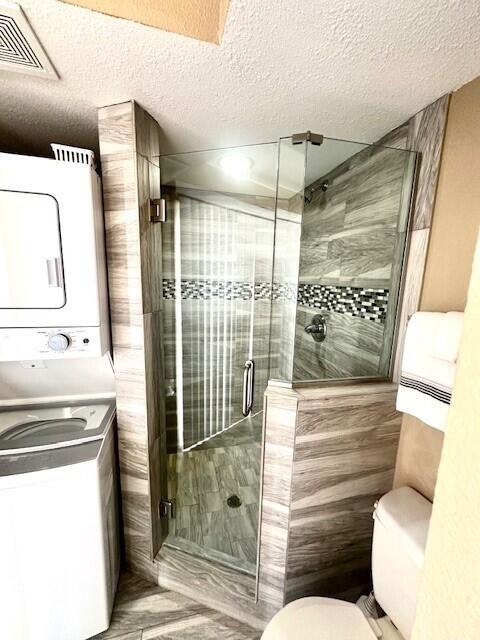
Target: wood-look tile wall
(344,458)
(129,144)
(350,230)
(279,444)
(426,131)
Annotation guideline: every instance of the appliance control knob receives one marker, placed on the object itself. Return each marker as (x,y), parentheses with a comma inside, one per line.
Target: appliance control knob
(59,342)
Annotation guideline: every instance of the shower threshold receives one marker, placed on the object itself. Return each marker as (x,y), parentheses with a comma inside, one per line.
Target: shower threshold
(212,555)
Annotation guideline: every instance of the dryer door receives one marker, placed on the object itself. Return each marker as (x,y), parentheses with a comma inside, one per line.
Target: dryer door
(31,266)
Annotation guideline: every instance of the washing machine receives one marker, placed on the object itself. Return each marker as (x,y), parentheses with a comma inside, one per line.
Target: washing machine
(59,534)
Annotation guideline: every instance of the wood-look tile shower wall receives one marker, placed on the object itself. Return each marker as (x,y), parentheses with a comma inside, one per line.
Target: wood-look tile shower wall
(129,147)
(353,236)
(425,133)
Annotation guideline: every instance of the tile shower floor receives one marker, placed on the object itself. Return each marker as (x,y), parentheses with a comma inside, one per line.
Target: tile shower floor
(202,480)
(144,611)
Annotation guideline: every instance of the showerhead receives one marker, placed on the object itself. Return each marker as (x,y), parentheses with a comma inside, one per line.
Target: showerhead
(308,195)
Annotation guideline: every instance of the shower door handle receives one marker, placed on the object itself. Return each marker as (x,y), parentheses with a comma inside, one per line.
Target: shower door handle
(248,379)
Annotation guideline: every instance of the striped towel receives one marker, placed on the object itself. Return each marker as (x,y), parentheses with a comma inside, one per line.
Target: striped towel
(429,387)
(429,366)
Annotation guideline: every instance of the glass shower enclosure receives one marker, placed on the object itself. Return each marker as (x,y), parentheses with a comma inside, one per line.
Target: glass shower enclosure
(339,249)
(281,262)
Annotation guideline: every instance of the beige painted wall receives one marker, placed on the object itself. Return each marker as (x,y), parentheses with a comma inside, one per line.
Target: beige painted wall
(449,603)
(200,19)
(457,207)
(456,220)
(418,457)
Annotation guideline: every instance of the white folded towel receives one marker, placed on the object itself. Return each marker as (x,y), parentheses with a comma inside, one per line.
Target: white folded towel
(429,364)
(446,342)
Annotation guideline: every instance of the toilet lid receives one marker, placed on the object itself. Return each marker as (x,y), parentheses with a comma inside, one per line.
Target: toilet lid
(319,619)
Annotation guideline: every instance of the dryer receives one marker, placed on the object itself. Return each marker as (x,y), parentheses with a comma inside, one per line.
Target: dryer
(53,289)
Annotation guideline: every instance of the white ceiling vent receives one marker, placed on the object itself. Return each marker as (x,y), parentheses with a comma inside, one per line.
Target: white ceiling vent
(20,49)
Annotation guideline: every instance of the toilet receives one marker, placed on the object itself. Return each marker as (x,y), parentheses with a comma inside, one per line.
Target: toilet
(401,521)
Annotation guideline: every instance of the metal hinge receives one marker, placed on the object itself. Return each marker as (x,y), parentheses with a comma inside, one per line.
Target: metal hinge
(166,508)
(307,136)
(158,210)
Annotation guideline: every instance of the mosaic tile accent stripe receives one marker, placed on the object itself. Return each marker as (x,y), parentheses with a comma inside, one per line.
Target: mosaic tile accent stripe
(370,304)
(360,302)
(208,289)
(228,290)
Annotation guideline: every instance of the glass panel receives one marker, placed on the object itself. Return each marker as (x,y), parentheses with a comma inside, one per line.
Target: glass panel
(353,214)
(288,226)
(30,253)
(217,267)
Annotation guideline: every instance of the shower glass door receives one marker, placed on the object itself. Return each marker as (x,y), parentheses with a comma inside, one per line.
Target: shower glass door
(217,246)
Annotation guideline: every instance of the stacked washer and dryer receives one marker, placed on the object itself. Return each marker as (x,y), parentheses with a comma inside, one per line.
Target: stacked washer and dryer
(59,530)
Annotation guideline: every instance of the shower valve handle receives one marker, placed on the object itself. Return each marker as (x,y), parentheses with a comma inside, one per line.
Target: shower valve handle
(318,328)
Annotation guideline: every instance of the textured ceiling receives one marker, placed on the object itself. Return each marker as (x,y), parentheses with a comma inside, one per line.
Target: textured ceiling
(348,68)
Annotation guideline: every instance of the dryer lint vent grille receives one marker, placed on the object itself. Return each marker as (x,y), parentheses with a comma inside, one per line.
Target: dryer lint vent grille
(20,49)
(73,154)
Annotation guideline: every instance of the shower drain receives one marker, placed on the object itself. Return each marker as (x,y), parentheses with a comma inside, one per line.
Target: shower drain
(234,501)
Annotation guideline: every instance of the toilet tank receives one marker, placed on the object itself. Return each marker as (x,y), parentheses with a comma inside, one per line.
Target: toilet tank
(402,518)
